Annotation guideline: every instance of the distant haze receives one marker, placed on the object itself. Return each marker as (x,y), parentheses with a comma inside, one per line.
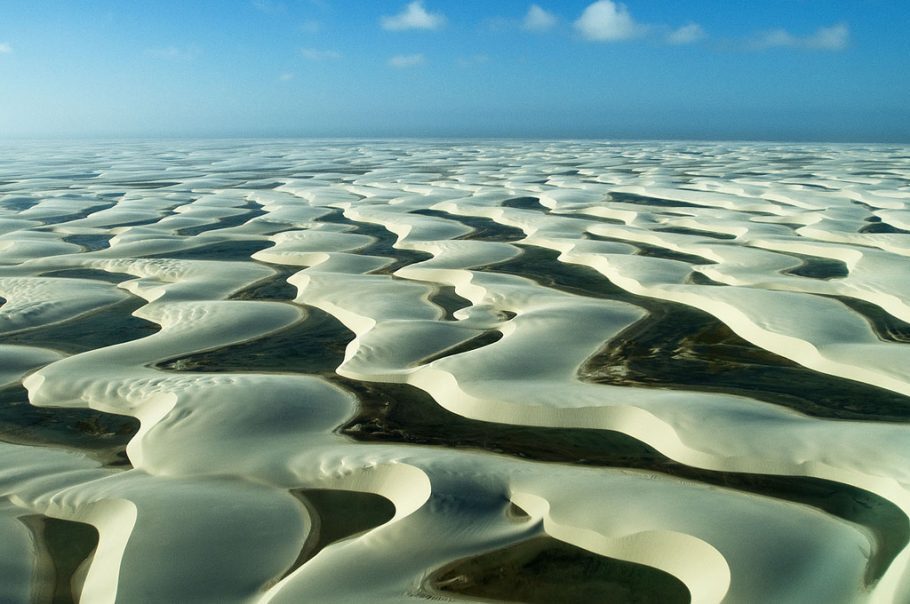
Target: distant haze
(833,70)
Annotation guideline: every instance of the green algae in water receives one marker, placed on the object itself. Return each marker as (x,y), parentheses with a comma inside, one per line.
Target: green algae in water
(450,302)
(113,324)
(678,346)
(89,243)
(64,547)
(524,203)
(817,267)
(253,210)
(485,339)
(684,348)
(883,227)
(382,246)
(886,326)
(404,414)
(654,251)
(313,345)
(544,570)
(696,232)
(485,229)
(237,251)
(337,515)
(275,288)
(90,273)
(644,200)
(96,433)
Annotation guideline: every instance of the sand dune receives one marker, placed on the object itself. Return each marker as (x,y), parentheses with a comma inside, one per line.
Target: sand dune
(260,371)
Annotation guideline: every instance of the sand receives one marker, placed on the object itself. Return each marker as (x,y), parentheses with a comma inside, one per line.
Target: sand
(472,280)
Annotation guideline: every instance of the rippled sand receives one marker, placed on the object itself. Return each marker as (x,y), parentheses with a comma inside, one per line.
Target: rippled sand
(267,371)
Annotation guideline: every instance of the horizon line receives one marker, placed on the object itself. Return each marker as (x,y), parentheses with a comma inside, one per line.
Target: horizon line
(371,138)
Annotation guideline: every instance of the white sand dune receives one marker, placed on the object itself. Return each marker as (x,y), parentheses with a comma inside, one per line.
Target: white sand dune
(38,301)
(692,357)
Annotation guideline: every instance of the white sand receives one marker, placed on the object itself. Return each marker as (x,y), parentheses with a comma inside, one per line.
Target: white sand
(205,512)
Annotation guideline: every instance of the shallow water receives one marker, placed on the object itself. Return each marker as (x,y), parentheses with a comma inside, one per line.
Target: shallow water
(314,425)
(545,570)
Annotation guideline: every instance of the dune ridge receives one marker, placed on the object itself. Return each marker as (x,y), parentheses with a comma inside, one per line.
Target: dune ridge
(487,275)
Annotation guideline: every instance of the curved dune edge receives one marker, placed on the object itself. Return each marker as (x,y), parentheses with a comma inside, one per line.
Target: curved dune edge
(434,383)
(40,301)
(399,243)
(16,361)
(701,567)
(643,425)
(647,431)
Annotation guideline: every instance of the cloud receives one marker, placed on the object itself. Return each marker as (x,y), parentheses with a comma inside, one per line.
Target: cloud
(538,19)
(834,37)
(687,34)
(314,54)
(414,16)
(5,48)
(286,77)
(606,21)
(405,61)
(173,53)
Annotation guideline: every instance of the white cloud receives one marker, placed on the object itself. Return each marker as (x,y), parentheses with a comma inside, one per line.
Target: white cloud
(538,19)
(414,16)
(405,61)
(173,53)
(834,37)
(687,34)
(5,48)
(606,21)
(314,54)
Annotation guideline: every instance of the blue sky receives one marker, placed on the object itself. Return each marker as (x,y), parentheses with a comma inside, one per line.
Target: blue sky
(691,69)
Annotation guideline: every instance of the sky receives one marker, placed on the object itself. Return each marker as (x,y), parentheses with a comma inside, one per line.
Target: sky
(802,70)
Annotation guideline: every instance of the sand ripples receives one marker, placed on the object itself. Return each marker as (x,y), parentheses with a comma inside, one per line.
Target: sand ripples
(391,371)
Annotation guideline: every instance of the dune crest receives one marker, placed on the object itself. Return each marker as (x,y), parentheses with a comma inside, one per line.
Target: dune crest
(277,371)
